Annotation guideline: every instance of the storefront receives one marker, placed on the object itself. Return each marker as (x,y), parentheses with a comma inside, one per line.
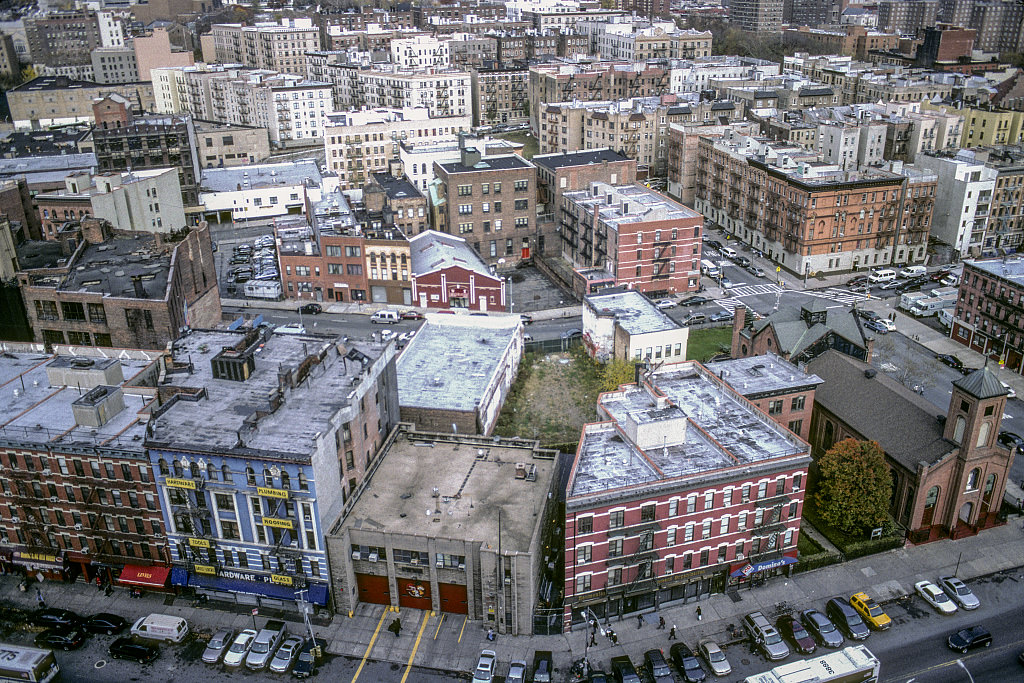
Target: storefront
(250,588)
(40,565)
(151,578)
(756,573)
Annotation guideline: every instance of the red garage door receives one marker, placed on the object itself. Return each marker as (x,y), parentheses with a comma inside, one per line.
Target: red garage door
(414,593)
(373,589)
(453,598)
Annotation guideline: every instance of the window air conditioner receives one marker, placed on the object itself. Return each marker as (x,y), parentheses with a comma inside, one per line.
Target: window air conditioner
(356,555)
(373,557)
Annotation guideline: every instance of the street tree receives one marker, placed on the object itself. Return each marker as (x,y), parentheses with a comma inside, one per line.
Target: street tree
(854,486)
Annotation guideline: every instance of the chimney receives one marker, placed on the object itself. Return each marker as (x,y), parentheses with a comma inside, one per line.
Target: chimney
(470,156)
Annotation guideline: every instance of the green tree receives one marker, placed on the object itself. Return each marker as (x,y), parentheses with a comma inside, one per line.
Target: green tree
(615,373)
(854,486)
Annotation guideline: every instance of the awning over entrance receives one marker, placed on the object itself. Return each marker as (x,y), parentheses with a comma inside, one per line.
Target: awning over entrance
(748,569)
(150,577)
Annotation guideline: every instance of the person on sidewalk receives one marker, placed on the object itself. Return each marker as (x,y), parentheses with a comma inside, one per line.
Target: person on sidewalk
(490,634)
(661,623)
(672,632)
(699,615)
(639,621)
(593,638)
(39,594)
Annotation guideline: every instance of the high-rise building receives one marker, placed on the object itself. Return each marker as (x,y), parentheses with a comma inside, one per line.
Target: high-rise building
(756,15)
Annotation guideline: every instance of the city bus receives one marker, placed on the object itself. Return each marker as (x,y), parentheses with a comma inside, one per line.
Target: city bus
(850,665)
(18,663)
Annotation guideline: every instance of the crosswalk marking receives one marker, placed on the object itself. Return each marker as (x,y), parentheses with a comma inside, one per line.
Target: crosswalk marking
(842,296)
(753,290)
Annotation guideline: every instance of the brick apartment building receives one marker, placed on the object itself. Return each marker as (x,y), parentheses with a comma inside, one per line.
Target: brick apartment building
(812,217)
(667,502)
(491,202)
(401,198)
(78,494)
(447,272)
(57,208)
(499,96)
(123,290)
(989,316)
(640,238)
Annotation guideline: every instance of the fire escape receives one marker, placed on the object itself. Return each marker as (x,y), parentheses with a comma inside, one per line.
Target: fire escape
(286,548)
(444,105)
(192,516)
(640,562)
(767,527)
(26,499)
(662,258)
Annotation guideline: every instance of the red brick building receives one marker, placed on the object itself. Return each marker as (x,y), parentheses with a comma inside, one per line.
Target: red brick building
(448,273)
(641,238)
(799,334)
(670,502)
(989,315)
(57,208)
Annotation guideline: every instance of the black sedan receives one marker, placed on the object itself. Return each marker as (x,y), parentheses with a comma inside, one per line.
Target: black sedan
(126,648)
(793,631)
(687,663)
(309,657)
(865,314)
(1012,441)
(105,622)
(311,309)
(953,362)
(969,638)
(695,301)
(721,316)
(825,632)
(54,616)
(741,261)
(62,638)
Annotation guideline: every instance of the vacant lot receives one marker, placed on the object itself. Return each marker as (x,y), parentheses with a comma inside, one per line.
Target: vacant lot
(530,144)
(706,342)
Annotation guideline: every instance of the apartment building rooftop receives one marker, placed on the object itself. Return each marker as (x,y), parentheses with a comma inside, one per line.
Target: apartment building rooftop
(451,361)
(256,391)
(377,115)
(497,163)
(1010,269)
(682,422)
(239,178)
(480,477)
(52,399)
(396,187)
(633,311)
(623,204)
(579,158)
(762,375)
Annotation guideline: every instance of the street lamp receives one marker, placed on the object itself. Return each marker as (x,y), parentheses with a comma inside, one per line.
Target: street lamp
(964,667)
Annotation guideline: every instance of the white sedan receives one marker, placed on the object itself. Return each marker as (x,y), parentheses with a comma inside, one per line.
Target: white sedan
(665,303)
(240,648)
(935,597)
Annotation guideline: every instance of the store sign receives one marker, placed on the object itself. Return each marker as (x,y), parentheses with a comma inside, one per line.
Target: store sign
(271,493)
(276,523)
(764,566)
(180,483)
(37,557)
(205,569)
(281,580)
(199,543)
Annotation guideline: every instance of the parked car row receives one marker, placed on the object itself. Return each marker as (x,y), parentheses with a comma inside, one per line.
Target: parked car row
(269,648)
(65,630)
(256,261)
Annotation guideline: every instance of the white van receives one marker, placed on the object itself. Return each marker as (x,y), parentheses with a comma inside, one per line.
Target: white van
(877,277)
(161,627)
(913,271)
(709,268)
(728,252)
(385,317)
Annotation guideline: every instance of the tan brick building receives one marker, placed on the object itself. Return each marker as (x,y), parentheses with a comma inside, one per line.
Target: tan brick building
(499,96)
(58,100)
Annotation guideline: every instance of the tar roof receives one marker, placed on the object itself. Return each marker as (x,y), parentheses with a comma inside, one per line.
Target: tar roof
(117,265)
(34,411)
(219,421)
(630,204)
(302,171)
(449,365)
(432,251)
(472,488)
(881,409)
(1011,269)
(755,376)
(581,158)
(396,188)
(487,164)
(695,427)
(633,311)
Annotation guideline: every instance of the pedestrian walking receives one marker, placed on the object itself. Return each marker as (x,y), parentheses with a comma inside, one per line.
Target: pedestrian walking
(614,636)
(672,632)
(699,615)
(661,623)
(490,634)
(639,621)
(593,638)
(39,594)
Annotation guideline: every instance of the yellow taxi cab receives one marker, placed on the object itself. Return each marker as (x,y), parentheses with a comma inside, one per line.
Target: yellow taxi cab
(870,611)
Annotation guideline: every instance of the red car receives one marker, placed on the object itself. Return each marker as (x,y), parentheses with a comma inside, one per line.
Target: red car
(793,631)
(412,315)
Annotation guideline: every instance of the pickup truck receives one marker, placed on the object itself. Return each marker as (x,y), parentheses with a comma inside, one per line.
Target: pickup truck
(542,665)
(264,644)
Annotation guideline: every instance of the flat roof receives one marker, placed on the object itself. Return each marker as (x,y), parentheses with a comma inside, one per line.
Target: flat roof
(220,422)
(110,267)
(488,164)
(580,158)
(633,311)
(34,411)
(449,364)
(477,481)
(1011,269)
(396,188)
(50,162)
(299,172)
(633,203)
(697,427)
(755,376)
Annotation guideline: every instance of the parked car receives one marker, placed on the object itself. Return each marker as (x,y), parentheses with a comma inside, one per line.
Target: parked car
(873,615)
(949,281)
(311,309)
(756,271)
(969,638)
(127,648)
(570,334)
(843,615)
(290,328)
(715,658)
(484,671)
(880,326)
(765,637)
(598,676)
(694,319)
(1010,393)
(822,628)
(793,631)
(694,301)
(687,663)
(725,282)
(664,304)
(721,316)
(62,637)
(54,616)
(543,666)
(859,280)
(238,260)
(218,645)
(516,672)
(952,361)
(892,284)
(958,590)
(935,597)
(865,314)
(624,671)
(657,667)
(286,654)
(239,648)
(105,622)
(526,319)
(307,662)
(715,244)
(411,315)
(742,261)
(1012,441)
